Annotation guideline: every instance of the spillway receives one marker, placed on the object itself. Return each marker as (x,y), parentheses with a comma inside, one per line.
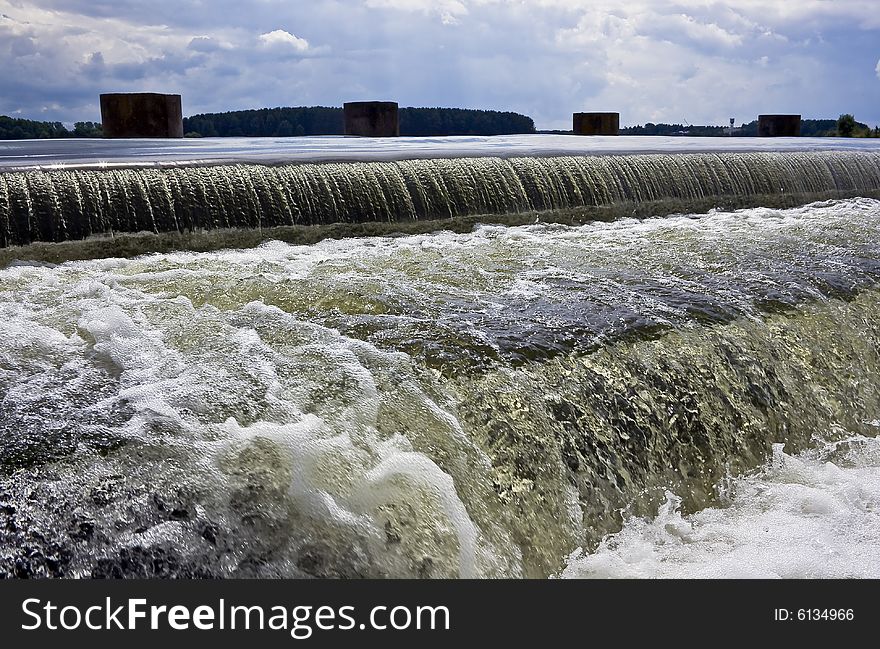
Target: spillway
(61,205)
(492,402)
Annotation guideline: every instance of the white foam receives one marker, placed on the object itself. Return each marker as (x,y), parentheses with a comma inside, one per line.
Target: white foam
(213,354)
(815,515)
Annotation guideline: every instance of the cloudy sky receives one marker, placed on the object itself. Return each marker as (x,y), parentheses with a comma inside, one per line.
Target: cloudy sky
(696,61)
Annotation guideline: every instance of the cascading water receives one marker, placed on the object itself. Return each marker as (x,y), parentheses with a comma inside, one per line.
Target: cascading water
(74,204)
(809,515)
(477,404)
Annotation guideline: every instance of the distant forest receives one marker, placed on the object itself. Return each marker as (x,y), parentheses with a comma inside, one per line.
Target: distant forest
(809,128)
(26,129)
(320,120)
(287,122)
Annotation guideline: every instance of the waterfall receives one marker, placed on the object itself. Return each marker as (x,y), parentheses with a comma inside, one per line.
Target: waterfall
(61,205)
(443,405)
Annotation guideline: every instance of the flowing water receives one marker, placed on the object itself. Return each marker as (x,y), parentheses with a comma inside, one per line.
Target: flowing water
(97,153)
(813,515)
(63,205)
(478,404)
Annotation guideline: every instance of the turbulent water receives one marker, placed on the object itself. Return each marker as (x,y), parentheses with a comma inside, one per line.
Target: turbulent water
(63,205)
(444,405)
(813,515)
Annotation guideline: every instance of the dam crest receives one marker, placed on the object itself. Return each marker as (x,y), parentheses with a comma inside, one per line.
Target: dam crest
(57,205)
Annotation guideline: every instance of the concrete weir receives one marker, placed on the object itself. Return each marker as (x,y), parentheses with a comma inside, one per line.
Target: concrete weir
(141,114)
(779,125)
(372,118)
(93,191)
(596,123)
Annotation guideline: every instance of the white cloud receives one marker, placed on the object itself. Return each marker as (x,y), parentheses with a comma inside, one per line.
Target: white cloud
(653,60)
(282,38)
(448,8)
(208,44)
(877,69)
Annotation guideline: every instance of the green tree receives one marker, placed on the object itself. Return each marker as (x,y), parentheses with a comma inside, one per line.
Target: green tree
(846,125)
(321,120)
(87,129)
(285,129)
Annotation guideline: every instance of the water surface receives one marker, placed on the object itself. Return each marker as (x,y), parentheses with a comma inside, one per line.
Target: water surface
(445,405)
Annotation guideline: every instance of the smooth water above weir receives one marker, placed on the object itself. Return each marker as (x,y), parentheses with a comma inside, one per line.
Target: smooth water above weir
(444,405)
(89,153)
(62,205)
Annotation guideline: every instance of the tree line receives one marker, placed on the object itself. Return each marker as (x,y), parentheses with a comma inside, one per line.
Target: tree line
(322,120)
(288,122)
(844,126)
(27,129)
(847,126)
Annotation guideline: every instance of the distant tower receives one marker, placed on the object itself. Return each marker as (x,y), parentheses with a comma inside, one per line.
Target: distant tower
(141,114)
(371,118)
(596,123)
(779,125)
(730,131)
